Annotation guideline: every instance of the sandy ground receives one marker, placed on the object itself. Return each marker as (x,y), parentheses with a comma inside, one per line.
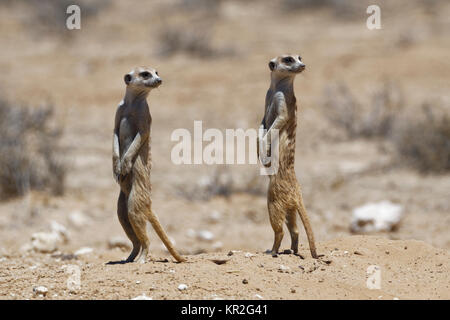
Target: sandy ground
(408,269)
(82,77)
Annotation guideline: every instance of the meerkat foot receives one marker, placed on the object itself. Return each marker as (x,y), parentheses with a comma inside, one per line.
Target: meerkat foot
(143,256)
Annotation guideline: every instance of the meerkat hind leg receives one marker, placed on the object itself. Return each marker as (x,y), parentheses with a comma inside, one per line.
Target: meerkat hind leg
(276,220)
(122,212)
(291,222)
(140,228)
(139,223)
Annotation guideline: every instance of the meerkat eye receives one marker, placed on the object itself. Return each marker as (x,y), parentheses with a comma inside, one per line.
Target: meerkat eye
(157,73)
(145,75)
(299,58)
(288,60)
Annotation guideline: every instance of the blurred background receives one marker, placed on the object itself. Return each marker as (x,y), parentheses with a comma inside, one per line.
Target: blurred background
(373,134)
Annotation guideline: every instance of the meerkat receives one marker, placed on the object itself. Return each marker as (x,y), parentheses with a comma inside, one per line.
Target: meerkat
(284,197)
(132,163)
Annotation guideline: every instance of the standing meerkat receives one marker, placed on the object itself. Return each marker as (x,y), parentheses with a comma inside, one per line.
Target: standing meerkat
(284,197)
(132,163)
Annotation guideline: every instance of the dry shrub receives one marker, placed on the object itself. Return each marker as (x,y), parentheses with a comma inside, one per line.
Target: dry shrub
(191,40)
(420,139)
(29,153)
(376,120)
(189,29)
(423,141)
(342,8)
(225,182)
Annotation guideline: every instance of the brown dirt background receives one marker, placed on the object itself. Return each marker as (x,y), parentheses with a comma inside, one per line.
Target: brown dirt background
(82,76)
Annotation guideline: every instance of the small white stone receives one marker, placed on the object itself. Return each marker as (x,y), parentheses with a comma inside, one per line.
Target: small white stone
(45,242)
(182,287)
(215,216)
(142,297)
(205,235)
(172,271)
(395,298)
(84,250)
(217,245)
(138,282)
(40,291)
(258,296)
(191,233)
(380,216)
(78,219)
(59,229)
(283,268)
(249,255)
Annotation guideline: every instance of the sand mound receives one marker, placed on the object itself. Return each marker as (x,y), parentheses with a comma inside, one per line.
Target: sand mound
(403,269)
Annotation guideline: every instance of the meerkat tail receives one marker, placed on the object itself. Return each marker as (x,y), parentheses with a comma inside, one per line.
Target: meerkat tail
(309,233)
(163,236)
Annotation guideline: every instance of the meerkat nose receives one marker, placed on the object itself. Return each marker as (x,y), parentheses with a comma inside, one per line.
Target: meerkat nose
(159,80)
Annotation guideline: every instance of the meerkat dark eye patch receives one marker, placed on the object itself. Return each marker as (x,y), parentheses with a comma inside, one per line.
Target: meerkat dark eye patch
(288,60)
(127,78)
(271,65)
(299,58)
(145,75)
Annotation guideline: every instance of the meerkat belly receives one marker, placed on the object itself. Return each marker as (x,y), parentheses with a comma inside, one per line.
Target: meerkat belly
(126,135)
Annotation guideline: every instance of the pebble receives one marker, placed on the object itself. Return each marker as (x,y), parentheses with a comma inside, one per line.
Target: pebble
(142,297)
(283,268)
(84,250)
(40,291)
(215,216)
(217,245)
(182,287)
(45,242)
(205,235)
(78,219)
(59,229)
(258,296)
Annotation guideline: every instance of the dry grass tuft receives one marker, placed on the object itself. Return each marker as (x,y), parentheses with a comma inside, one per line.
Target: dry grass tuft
(29,153)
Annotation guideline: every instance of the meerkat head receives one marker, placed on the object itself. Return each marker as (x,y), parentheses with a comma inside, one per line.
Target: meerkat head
(286,65)
(142,79)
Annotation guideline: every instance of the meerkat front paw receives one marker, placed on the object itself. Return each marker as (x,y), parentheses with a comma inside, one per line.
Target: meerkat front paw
(125,167)
(116,170)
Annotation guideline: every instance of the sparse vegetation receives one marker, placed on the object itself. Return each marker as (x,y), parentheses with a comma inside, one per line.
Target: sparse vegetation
(421,140)
(193,41)
(424,141)
(222,182)
(341,8)
(375,120)
(29,153)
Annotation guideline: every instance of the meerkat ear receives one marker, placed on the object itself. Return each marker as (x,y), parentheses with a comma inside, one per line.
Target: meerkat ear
(127,78)
(272,65)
